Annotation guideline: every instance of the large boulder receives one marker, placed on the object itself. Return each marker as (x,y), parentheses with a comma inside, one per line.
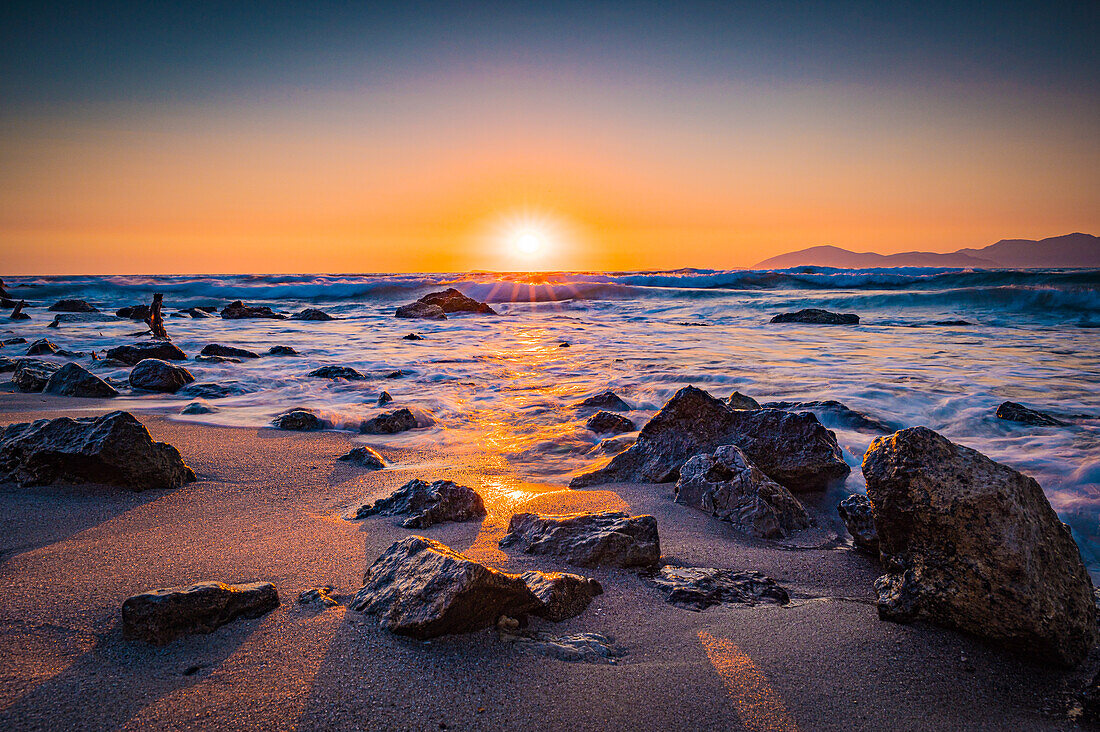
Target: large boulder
(214,349)
(72,306)
(793,449)
(113,448)
(152,374)
(389,423)
(427,503)
(160,616)
(76,381)
(697,588)
(858,516)
(453,301)
(1014,412)
(728,486)
(816,316)
(420,310)
(31,374)
(971,544)
(132,354)
(312,314)
(237,310)
(608,538)
(423,589)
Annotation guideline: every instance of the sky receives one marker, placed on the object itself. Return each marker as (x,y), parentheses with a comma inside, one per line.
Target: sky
(333,137)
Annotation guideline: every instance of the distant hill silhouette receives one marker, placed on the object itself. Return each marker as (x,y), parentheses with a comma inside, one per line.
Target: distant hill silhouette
(1071,250)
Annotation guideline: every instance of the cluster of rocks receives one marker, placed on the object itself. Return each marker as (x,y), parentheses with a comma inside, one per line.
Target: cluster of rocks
(436,305)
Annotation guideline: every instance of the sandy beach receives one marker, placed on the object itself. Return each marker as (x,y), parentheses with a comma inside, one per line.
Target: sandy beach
(269,505)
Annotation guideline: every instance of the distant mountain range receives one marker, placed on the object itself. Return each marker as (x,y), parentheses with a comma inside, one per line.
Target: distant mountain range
(1071,250)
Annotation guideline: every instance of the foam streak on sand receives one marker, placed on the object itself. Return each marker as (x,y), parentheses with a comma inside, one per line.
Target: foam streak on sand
(758,705)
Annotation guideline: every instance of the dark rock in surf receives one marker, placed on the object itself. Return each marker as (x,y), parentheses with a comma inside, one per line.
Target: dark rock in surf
(216,359)
(113,449)
(737,400)
(237,310)
(563,344)
(14,341)
(793,449)
(841,413)
(971,544)
(134,312)
(608,538)
(816,316)
(76,381)
(212,391)
(72,306)
(609,423)
(952,322)
(199,406)
(729,487)
(364,457)
(608,400)
(214,349)
(42,347)
(196,313)
(132,354)
(7,365)
(160,616)
(384,398)
(858,517)
(1013,412)
(281,351)
(32,374)
(412,337)
(396,374)
(337,372)
(152,374)
(299,420)
(426,504)
(420,310)
(389,423)
(312,314)
(453,301)
(697,588)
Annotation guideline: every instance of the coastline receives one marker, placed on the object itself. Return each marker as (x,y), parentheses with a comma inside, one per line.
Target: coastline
(268,506)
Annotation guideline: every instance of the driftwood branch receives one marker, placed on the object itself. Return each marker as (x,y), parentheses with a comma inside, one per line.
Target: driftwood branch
(156,320)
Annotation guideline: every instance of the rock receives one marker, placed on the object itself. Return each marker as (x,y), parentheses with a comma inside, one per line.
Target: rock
(388,423)
(160,616)
(971,544)
(214,349)
(562,595)
(281,351)
(427,504)
(321,596)
(31,374)
(72,306)
(337,372)
(420,310)
(42,347)
(364,457)
(423,589)
(575,648)
(793,449)
(113,448)
(76,381)
(384,398)
(1090,702)
(858,517)
(195,313)
(132,354)
(609,422)
(299,420)
(14,341)
(312,314)
(237,310)
(608,400)
(737,400)
(697,588)
(1014,412)
(6,302)
(216,359)
(7,365)
(199,406)
(729,487)
(212,391)
(207,308)
(412,337)
(152,374)
(587,539)
(563,344)
(55,323)
(396,374)
(839,414)
(816,316)
(952,322)
(134,312)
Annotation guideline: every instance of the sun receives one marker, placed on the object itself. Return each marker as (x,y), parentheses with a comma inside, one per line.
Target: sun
(528,238)
(528,242)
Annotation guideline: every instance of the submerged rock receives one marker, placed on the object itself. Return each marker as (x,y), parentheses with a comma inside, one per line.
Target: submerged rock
(299,420)
(214,349)
(160,616)
(132,354)
(281,351)
(858,517)
(196,313)
(133,312)
(72,306)
(31,374)
(113,448)
(971,544)
(728,486)
(608,422)
(389,423)
(337,372)
(608,400)
(312,314)
(412,337)
(42,347)
(697,588)
(420,310)
(152,374)
(384,398)
(1014,412)
(199,406)
(216,359)
(608,538)
(364,457)
(737,400)
(423,589)
(212,391)
(427,504)
(817,316)
(76,381)
(831,408)
(793,449)
(952,322)
(237,310)
(14,341)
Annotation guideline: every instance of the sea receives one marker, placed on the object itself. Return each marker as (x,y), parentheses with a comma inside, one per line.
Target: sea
(509,385)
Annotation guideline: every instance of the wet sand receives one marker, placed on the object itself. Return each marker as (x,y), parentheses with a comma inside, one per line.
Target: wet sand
(268,505)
